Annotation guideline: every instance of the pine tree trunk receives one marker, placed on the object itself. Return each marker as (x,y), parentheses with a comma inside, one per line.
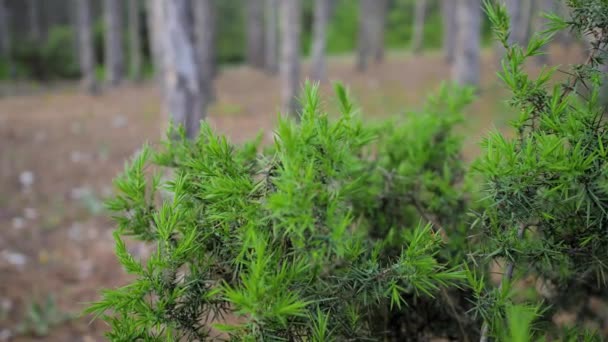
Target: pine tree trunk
(418,28)
(33,11)
(290,54)
(255,33)
(546,6)
(114,54)
(365,36)
(135,39)
(564,37)
(381,8)
(466,66)
(85,45)
(515,13)
(321,17)
(448,8)
(525,27)
(5,38)
(154,16)
(203,16)
(180,68)
(270,39)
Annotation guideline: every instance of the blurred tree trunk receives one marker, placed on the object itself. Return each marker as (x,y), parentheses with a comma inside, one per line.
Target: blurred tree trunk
(545,6)
(85,45)
(564,37)
(271,30)
(372,17)
(5,39)
(153,13)
(33,13)
(290,19)
(418,28)
(203,16)
(180,73)
(365,36)
(135,46)
(529,11)
(448,9)
(255,33)
(514,8)
(321,17)
(380,11)
(465,69)
(114,54)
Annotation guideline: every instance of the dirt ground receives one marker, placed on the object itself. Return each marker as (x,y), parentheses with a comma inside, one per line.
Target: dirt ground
(60,149)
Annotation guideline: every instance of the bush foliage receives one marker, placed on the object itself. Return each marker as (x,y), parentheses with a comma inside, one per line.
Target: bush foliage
(341,230)
(312,239)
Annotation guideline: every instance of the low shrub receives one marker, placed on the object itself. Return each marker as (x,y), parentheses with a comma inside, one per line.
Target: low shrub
(323,234)
(341,230)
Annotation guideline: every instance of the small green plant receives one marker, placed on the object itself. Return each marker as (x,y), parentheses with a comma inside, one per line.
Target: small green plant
(41,317)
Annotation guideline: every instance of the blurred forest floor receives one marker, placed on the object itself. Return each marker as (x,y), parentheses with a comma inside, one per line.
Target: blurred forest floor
(60,149)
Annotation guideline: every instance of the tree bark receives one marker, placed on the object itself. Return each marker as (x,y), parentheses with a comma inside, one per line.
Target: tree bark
(114,54)
(448,8)
(321,17)
(418,27)
(5,39)
(135,40)
(465,70)
(546,6)
(255,33)
(270,37)
(180,79)
(364,44)
(515,14)
(153,21)
(33,12)
(290,19)
(525,28)
(203,14)
(381,8)
(85,45)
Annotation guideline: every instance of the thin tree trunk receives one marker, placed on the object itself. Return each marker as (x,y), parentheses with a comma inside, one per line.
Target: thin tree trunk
(114,54)
(514,8)
(33,11)
(364,44)
(381,8)
(466,66)
(153,16)
(448,8)
(525,31)
(255,33)
(565,37)
(271,30)
(290,19)
(418,28)
(180,68)
(135,40)
(321,17)
(546,6)
(5,39)
(203,14)
(85,45)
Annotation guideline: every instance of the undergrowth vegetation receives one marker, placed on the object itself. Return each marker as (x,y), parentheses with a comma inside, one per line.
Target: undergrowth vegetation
(344,231)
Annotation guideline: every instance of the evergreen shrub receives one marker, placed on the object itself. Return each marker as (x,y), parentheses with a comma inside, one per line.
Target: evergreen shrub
(345,231)
(326,234)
